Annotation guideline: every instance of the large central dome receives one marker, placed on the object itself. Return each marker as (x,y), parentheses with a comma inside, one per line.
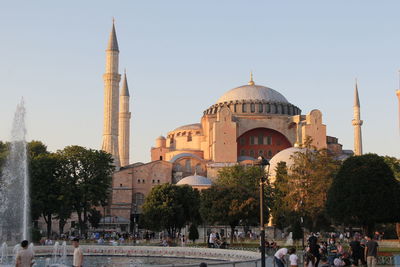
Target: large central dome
(252,91)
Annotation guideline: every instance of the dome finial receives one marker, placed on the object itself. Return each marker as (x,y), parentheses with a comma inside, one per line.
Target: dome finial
(251,82)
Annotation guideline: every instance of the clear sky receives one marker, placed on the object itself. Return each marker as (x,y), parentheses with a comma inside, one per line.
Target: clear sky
(181,56)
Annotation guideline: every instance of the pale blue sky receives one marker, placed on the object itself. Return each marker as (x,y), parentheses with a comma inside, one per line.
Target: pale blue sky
(181,56)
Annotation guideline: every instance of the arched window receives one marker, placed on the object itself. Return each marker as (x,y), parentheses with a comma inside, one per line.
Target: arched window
(242,152)
(188,166)
(235,108)
(177,167)
(189,137)
(244,107)
(260,108)
(252,108)
(260,153)
(138,199)
(270,153)
(198,168)
(252,153)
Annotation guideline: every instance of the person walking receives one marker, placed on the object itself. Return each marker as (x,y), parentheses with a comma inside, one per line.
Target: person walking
(280,257)
(78,254)
(371,252)
(355,251)
(24,256)
(332,251)
(293,259)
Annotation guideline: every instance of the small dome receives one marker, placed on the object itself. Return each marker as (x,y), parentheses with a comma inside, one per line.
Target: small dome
(160,138)
(194,126)
(285,156)
(252,92)
(195,180)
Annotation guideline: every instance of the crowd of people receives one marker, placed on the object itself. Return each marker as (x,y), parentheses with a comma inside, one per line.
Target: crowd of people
(362,250)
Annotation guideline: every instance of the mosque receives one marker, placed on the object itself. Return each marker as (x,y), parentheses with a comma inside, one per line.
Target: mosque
(247,121)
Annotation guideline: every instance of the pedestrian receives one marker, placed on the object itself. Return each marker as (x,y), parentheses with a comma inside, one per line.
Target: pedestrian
(332,251)
(371,252)
(78,254)
(293,259)
(355,251)
(280,257)
(314,248)
(25,256)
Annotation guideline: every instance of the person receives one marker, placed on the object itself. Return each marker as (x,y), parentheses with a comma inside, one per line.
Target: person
(280,257)
(332,251)
(293,259)
(203,264)
(78,254)
(314,248)
(371,252)
(338,262)
(309,259)
(211,240)
(25,256)
(355,251)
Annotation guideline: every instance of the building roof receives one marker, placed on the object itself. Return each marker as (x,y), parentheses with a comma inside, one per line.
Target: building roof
(194,126)
(195,180)
(252,92)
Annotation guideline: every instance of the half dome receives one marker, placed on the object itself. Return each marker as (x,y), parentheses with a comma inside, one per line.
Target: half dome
(285,156)
(195,180)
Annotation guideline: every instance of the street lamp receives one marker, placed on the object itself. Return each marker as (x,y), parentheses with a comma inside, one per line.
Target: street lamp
(263,163)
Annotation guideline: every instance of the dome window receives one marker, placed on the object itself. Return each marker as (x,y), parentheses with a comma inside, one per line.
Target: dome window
(189,137)
(244,108)
(252,108)
(260,108)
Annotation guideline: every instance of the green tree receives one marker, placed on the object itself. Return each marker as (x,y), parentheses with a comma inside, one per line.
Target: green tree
(361,191)
(193,233)
(94,218)
(45,188)
(4,148)
(394,164)
(309,179)
(86,176)
(229,205)
(171,207)
(279,209)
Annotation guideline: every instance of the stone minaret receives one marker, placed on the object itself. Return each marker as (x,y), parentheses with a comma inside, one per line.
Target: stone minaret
(124,123)
(111,98)
(357,122)
(398,97)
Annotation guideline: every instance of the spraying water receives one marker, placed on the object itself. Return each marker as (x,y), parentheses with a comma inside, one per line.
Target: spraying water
(14,185)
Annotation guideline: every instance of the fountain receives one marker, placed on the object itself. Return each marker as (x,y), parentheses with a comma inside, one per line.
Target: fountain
(14,185)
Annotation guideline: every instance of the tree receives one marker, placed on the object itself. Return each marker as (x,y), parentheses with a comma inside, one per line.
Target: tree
(361,191)
(86,176)
(193,232)
(4,148)
(279,210)
(229,205)
(297,231)
(94,218)
(308,182)
(171,207)
(394,164)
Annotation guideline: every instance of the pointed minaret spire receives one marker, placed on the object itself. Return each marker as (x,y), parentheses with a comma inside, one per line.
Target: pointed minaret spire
(124,123)
(356,98)
(357,122)
(124,86)
(112,41)
(251,82)
(398,98)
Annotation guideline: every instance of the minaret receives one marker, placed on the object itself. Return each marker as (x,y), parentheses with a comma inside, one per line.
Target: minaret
(124,123)
(398,98)
(357,122)
(111,98)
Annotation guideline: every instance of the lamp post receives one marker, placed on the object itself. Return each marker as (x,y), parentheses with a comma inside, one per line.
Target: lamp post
(262,162)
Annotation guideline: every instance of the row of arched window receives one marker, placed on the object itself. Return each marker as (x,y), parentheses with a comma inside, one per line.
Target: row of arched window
(269,108)
(255,154)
